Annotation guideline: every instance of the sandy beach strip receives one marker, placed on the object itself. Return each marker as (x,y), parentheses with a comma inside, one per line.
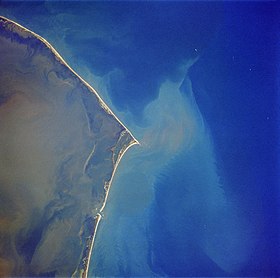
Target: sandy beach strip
(62,61)
(133,141)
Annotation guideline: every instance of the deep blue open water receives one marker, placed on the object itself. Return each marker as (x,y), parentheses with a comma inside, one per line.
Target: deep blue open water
(198,84)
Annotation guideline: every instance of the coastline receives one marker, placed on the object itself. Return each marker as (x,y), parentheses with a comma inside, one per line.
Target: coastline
(99,216)
(62,61)
(133,141)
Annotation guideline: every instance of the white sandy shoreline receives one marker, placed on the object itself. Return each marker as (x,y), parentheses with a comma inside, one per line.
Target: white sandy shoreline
(106,108)
(99,215)
(60,59)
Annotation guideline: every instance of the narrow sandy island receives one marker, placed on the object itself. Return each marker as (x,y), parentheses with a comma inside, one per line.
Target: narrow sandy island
(60,146)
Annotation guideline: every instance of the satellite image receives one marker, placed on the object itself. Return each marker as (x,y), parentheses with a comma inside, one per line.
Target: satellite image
(139,139)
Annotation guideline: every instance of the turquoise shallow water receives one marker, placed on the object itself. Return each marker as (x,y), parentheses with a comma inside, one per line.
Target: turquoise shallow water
(214,181)
(200,196)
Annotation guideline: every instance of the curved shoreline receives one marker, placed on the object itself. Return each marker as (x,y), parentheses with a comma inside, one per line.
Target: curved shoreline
(132,142)
(61,60)
(99,216)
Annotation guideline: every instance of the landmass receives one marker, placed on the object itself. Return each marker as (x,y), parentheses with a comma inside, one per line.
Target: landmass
(60,146)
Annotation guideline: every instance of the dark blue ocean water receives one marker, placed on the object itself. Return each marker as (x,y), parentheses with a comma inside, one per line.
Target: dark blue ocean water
(200,196)
(236,85)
